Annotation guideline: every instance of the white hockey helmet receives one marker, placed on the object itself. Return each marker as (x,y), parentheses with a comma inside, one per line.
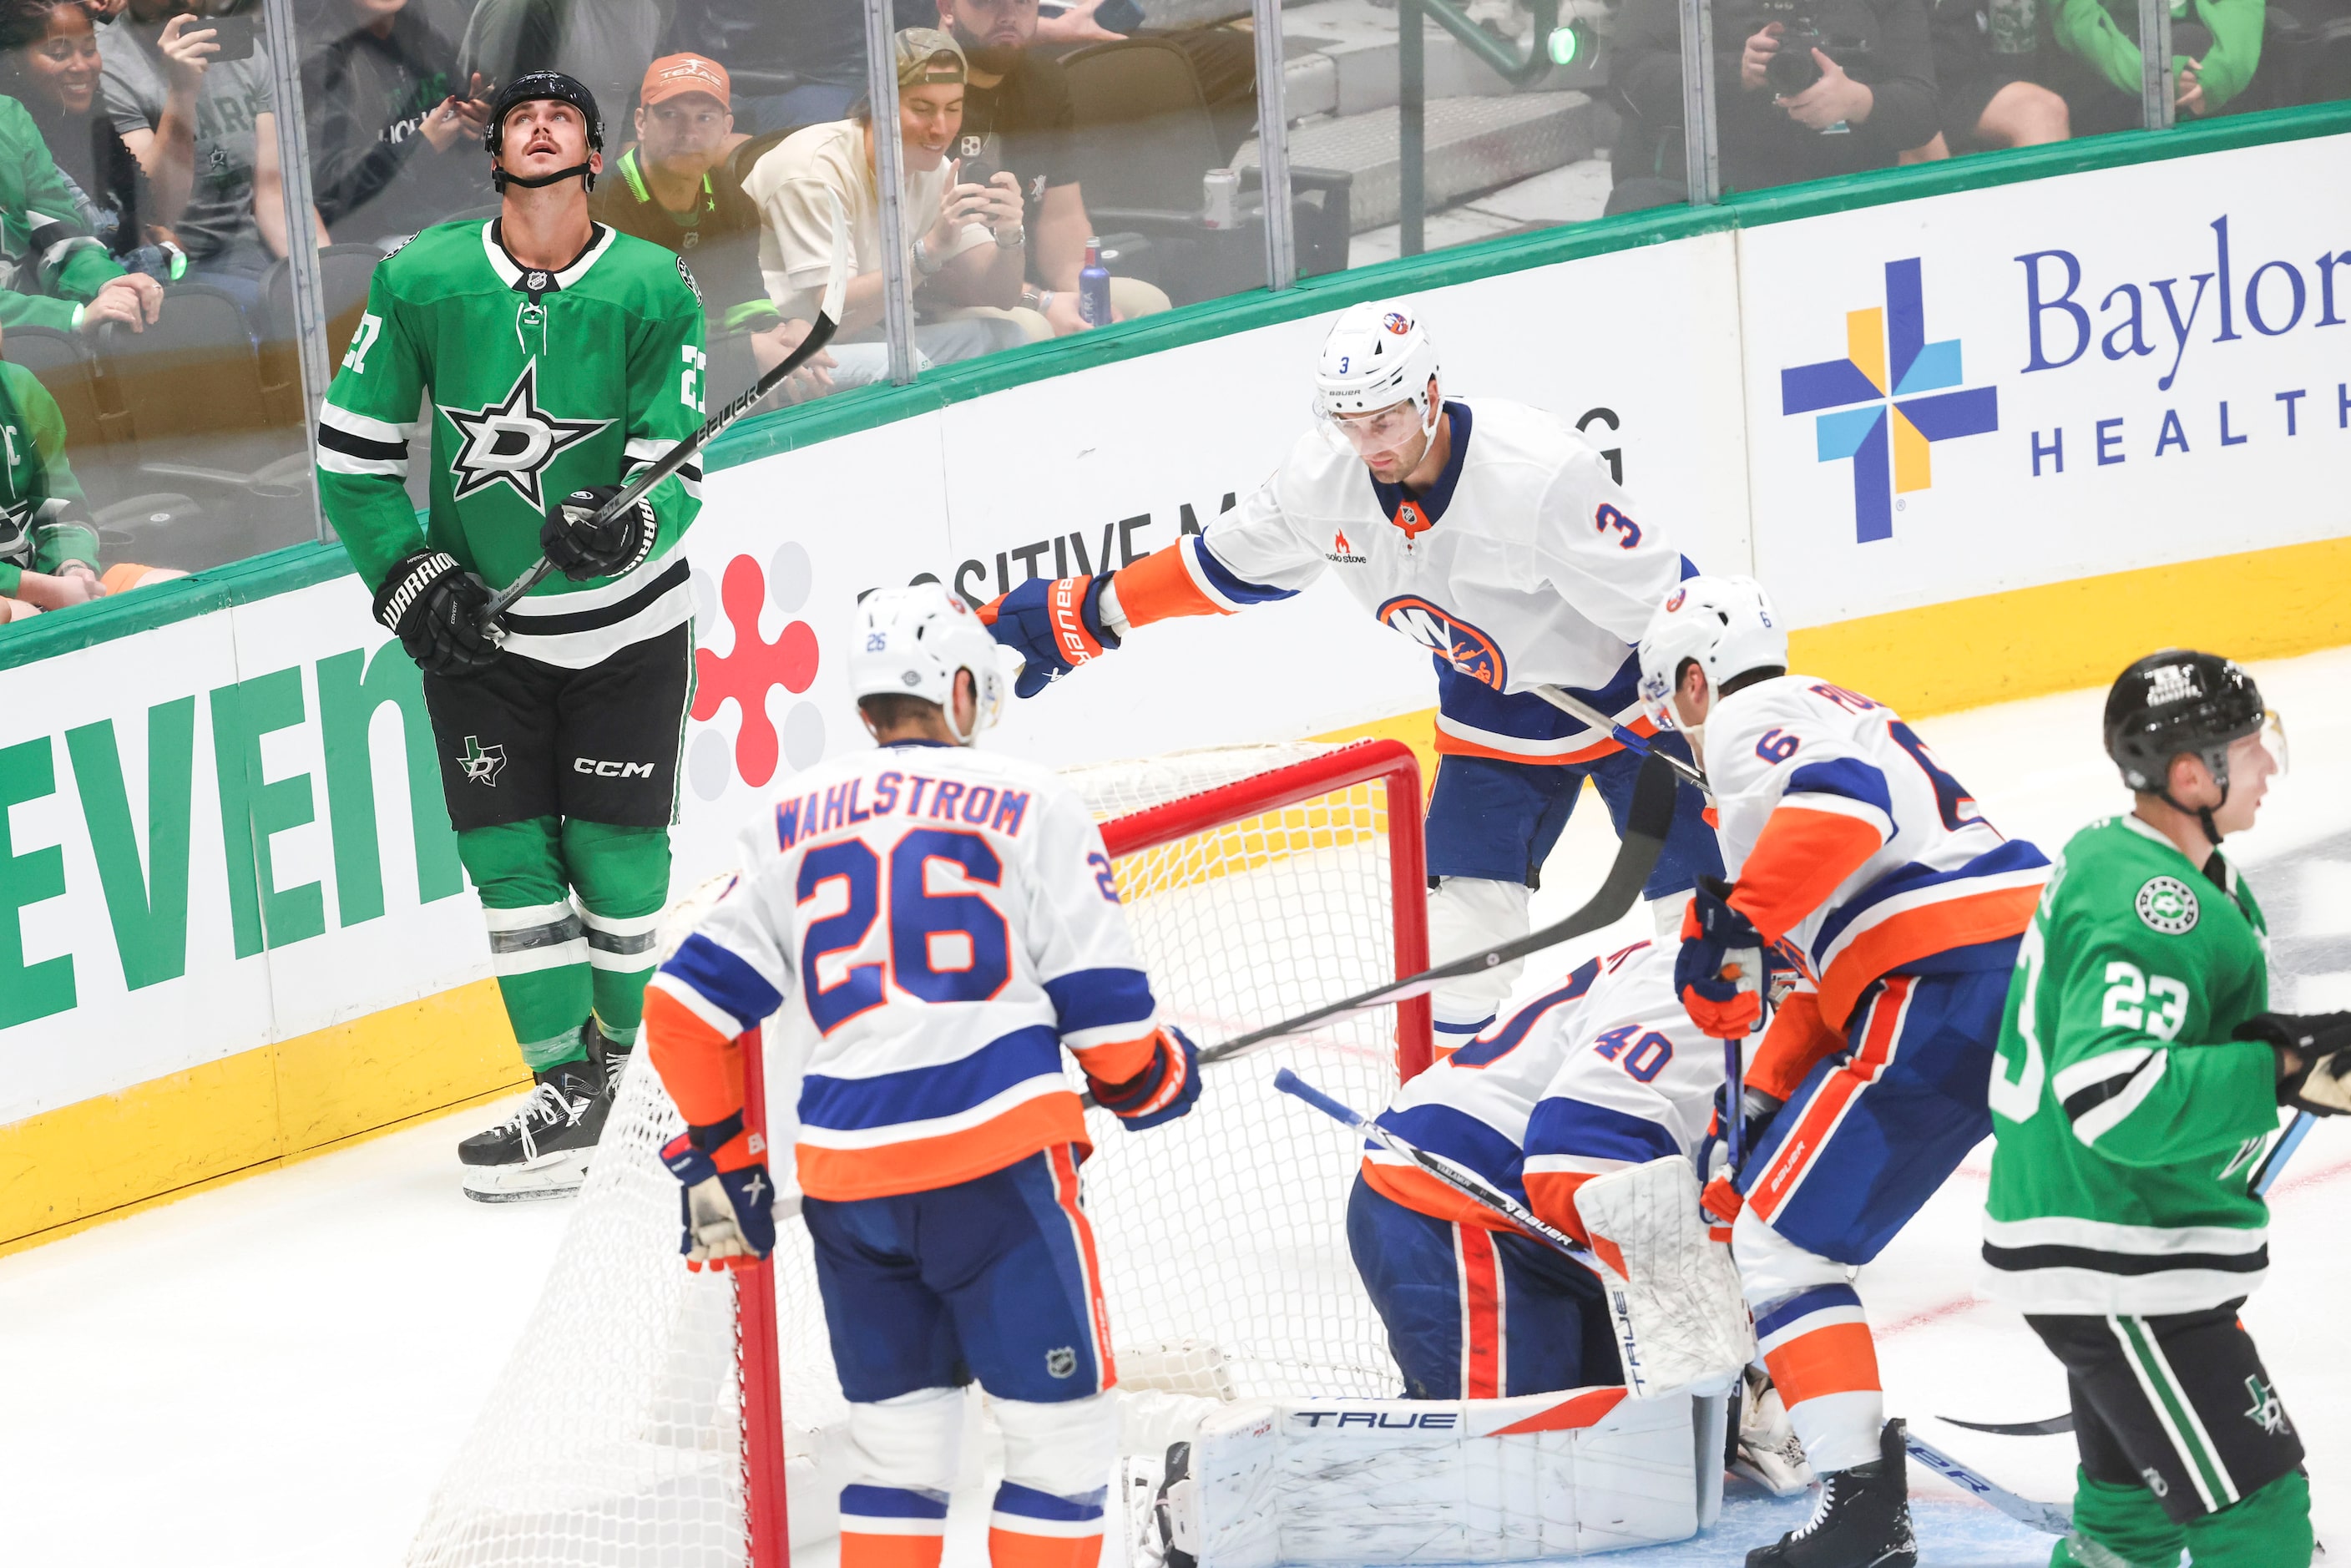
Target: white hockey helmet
(910,642)
(1725,623)
(1375,356)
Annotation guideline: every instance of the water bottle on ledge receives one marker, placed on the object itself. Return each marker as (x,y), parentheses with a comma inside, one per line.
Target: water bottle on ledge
(1094,287)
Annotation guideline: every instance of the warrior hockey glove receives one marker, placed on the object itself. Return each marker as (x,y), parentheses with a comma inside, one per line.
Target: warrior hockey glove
(582,543)
(1055,625)
(730,1222)
(2323,1084)
(435,607)
(1161,1092)
(1722,973)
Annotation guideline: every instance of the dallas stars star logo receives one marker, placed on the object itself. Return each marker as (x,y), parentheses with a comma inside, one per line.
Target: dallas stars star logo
(512,442)
(482,764)
(2268,1412)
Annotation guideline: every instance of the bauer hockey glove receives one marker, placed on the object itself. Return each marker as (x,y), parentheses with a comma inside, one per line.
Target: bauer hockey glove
(1723,971)
(2321,1086)
(730,1221)
(1054,624)
(583,543)
(1161,1092)
(435,607)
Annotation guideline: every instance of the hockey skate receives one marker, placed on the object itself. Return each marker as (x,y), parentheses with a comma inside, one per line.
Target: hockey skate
(1862,1520)
(541,1150)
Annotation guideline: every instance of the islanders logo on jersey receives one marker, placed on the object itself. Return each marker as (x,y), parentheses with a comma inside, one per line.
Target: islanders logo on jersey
(1469,650)
(1885,404)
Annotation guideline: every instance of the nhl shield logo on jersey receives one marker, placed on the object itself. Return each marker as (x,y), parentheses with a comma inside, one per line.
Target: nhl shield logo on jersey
(2168,905)
(482,764)
(512,442)
(1061,1362)
(1468,649)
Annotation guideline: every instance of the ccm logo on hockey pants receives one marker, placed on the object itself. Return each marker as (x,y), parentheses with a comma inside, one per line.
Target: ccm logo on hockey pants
(1473,1313)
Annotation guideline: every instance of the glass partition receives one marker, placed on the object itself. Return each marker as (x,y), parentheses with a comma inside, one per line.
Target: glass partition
(151,423)
(164,355)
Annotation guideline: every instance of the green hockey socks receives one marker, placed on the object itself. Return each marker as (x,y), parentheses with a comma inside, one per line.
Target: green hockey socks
(556,963)
(2120,1526)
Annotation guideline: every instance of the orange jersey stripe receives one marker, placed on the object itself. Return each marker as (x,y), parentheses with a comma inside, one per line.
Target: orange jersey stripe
(1914,934)
(702,1069)
(1159,587)
(861,1551)
(1424,1193)
(1797,863)
(1451,745)
(1552,1195)
(1481,1313)
(1117,1060)
(1796,1042)
(1011,1549)
(1838,1359)
(920,1165)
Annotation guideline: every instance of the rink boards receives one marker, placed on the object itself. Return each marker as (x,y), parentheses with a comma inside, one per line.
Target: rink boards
(1981,444)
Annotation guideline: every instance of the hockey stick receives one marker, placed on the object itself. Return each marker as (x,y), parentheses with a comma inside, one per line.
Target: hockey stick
(2264,1176)
(820,333)
(2055,1518)
(1644,838)
(1631,740)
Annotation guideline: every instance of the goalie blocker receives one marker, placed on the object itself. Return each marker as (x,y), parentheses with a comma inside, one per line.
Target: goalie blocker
(1487,1480)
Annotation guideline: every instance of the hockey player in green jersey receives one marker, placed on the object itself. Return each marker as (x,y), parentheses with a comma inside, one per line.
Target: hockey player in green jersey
(2139,1079)
(553,357)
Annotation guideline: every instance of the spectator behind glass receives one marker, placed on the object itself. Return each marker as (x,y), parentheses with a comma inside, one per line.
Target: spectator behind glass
(963,274)
(794,63)
(48,546)
(1017,117)
(395,145)
(1999,75)
(52,69)
(2216,48)
(207,137)
(672,187)
(603,44)
(1872,98)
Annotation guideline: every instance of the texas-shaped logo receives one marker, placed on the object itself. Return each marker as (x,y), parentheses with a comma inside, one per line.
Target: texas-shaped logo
(1468,649)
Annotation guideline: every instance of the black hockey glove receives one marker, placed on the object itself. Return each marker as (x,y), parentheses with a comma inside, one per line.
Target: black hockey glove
(583,547)
(2323,1084)
(435,607)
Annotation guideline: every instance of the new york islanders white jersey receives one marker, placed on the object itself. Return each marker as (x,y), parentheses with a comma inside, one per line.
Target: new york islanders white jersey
(1853,845)
(1524,564)
(932,924)
(1604,1072)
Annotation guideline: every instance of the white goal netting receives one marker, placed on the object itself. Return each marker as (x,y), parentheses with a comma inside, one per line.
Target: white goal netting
(614,1436)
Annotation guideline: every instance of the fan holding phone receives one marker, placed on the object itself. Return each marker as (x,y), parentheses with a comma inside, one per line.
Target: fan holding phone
(191,96)
(1018,118)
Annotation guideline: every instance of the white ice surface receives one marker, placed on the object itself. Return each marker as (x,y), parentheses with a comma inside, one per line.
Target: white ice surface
(277,1372)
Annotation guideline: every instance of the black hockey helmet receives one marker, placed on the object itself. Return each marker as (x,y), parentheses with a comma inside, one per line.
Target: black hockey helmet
(2178,701)
(530,87)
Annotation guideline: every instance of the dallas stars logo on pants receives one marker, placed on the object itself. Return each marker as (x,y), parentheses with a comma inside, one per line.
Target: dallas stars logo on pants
(512,442)
(2268,1411)
(481,763)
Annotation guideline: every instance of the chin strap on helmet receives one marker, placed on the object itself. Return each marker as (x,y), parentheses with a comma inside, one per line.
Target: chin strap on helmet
(501,179)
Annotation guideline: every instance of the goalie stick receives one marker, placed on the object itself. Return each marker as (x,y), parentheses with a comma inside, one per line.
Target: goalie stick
(820,333)
(2265,1174)
(1645,826)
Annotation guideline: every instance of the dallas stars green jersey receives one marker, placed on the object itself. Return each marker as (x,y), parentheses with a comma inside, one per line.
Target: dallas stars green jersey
(537,385)
(2127,1120)
(42,524)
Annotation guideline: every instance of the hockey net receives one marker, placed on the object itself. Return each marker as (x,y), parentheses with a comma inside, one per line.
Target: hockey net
(646,1415)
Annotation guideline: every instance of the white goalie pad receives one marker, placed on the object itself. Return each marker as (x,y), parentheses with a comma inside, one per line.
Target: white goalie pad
(1674,1292)
(1472,1481)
